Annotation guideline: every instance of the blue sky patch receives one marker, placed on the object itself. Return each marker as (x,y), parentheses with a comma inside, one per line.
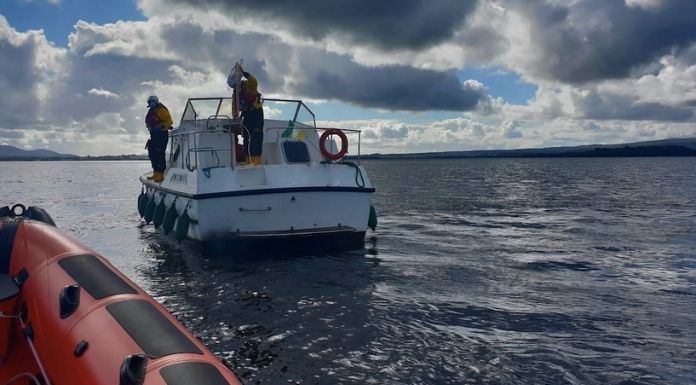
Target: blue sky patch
(58,20)
(501,83)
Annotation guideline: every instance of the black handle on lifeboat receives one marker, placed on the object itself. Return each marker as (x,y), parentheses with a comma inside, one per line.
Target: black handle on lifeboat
(33,212)
(8,287)
(133,369)
(69,300)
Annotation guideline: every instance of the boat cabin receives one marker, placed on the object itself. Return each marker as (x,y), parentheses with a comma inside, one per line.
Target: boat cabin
(208,137)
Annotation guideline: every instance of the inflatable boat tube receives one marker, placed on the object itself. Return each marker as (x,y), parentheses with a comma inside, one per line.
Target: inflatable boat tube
(70,315)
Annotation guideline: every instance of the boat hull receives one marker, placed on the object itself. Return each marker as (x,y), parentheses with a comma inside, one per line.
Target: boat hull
(271,218)
(292,243)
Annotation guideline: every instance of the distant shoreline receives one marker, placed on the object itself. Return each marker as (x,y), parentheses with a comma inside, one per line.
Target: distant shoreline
(74,159)
(626,152)
(661,148)
(603,152)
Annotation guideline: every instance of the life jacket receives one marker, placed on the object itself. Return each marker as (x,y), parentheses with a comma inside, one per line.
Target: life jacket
(152,119)
(249,98)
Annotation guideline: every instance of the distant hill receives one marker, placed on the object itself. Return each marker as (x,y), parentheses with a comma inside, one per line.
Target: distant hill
(665,147)
(13,153)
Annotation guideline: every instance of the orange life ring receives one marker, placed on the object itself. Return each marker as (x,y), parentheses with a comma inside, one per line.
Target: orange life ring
(344,144)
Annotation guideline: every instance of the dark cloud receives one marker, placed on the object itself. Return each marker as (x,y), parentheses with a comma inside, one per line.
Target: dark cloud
(572,42)
(11,134)
(393,88)
(219,50)
(395,132)
(387,24)
(18,79)
(314,73)
(71,101)
(592,40)
(483,44)
(594,105)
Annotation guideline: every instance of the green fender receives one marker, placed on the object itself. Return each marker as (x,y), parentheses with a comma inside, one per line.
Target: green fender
(159,213)
(142,203)
(170,218)
(182,226)
(372,222)
(150,210)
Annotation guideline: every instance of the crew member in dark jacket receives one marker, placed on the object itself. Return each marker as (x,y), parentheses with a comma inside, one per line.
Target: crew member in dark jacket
(252,114)
(158,122)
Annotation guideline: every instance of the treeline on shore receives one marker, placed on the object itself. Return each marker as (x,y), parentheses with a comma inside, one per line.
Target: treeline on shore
(74,158)
(665,149)
(626,151)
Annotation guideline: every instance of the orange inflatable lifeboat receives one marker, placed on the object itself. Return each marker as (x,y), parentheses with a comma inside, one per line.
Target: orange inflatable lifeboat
(68,317)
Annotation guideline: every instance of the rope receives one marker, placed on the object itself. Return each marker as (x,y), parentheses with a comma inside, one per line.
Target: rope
(188,205)
(20,375)
(206,170)
(358,174)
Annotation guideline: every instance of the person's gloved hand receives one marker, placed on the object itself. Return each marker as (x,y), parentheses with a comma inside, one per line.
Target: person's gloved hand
(231,81)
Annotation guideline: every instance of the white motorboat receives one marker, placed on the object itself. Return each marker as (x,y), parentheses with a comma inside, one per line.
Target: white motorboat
(304,190)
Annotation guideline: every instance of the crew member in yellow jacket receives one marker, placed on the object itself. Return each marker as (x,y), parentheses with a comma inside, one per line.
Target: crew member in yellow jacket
(252,114)
(158,122)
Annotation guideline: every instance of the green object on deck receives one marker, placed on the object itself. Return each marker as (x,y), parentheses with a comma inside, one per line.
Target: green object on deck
(142,203)
(182,226)
(170,218)
(150,210)
(159,213)
(372,222)
(288,131)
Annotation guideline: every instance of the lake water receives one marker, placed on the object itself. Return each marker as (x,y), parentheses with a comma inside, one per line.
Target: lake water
(487,271)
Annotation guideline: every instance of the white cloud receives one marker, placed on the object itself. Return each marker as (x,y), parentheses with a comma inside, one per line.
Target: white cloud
(30,65)
(511,129)
(80,98)
(645,4)
(54,2)
(102,92)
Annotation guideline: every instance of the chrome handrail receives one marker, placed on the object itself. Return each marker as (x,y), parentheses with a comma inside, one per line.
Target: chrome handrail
(200,149)
(207,122)
(349,130)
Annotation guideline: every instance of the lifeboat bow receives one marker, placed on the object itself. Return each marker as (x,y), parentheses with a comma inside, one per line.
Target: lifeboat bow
(67,316)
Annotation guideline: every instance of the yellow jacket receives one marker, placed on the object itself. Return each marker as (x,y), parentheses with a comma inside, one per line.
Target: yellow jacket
(251,98)
(159,115)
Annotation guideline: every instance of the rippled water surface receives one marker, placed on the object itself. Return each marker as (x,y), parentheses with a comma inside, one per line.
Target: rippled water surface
(491,271)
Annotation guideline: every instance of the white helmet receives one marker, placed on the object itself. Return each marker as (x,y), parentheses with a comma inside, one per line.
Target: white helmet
(152,101)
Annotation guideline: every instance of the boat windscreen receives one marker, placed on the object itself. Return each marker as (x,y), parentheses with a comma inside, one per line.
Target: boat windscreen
(197,109)
(305,116)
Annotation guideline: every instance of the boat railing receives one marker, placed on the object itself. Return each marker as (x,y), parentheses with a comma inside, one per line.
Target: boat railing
(302,119)
(196,150)
(279,131)
(350,131)
(291,109)
(221,117)
(230,126)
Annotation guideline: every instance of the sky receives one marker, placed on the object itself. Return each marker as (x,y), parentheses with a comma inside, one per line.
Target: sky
(413,75)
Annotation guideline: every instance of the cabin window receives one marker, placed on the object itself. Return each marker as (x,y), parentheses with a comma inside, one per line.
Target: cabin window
(295,152)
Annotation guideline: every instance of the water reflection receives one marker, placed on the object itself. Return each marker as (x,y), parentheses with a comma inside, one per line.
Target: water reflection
(514,271)
(271,318)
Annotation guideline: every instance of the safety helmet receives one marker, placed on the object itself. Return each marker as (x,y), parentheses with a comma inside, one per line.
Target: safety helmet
(152,101)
